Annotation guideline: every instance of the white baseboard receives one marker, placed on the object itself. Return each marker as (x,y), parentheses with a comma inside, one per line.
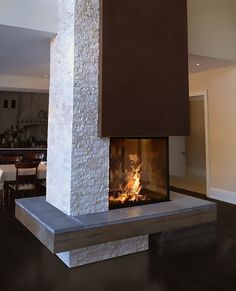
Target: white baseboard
(222,195)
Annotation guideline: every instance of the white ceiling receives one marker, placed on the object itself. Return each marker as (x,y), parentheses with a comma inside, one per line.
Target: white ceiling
(38,15)
(24,52)
(211,28)
(199,64)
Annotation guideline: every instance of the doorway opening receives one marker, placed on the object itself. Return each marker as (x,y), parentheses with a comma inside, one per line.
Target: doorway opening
(189,155)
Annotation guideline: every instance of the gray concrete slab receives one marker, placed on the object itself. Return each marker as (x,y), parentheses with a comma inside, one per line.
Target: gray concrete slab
(60,232)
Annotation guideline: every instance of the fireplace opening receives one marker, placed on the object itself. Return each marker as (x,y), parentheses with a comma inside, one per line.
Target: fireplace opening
(139,171)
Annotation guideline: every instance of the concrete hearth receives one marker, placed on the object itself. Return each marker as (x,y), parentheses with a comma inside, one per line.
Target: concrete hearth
(90,235)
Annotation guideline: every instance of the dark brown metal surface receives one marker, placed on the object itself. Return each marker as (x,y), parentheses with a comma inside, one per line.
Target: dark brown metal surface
(144,68)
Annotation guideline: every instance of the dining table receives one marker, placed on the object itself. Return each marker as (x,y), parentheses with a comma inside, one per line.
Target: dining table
(8,173)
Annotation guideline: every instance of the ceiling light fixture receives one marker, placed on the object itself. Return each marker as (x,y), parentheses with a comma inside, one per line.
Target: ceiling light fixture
(197,65)
(46,76)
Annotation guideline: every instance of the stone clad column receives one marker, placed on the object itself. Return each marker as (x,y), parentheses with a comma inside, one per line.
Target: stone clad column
(78,160)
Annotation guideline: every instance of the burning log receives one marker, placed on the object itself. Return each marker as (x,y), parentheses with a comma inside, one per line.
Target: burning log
(131,190)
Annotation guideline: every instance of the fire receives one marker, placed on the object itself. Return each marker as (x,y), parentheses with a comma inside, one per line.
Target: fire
(131,190)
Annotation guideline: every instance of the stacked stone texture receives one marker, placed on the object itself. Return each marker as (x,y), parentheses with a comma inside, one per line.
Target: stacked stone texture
(78,159)
(90,172)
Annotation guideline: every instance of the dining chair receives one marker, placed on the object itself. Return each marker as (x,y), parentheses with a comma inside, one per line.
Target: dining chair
(42,185)
(1,197)
(5,160)
(26,181)
(30,157)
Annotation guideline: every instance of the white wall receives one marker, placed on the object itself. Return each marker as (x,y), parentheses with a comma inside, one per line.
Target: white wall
(24,83)
(221,88)
(28,107)
(29,104)
(211,25)
(33,14)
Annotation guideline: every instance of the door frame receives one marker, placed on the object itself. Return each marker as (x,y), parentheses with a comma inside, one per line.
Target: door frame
(204,94)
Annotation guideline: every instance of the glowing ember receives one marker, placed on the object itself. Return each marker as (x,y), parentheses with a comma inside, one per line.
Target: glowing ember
(130,191)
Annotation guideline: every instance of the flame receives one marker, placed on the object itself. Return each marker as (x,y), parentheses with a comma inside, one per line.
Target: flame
(131,190)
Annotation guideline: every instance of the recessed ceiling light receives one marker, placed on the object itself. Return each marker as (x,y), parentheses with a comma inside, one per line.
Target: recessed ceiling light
(197,65)
(46,76)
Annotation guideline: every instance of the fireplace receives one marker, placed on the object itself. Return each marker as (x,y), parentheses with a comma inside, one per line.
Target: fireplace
(138,171)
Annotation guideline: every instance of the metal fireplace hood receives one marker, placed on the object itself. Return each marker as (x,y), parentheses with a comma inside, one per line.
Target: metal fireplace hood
(144,69)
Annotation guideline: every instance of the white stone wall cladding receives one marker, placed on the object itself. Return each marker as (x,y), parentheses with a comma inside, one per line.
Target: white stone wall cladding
(90,166)
(61,109)
(78,160)
(105,251)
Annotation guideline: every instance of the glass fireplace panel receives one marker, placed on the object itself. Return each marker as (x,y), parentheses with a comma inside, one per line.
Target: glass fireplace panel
(138,171)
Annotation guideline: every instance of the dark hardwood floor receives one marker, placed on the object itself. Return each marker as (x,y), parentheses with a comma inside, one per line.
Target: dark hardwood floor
(25,264)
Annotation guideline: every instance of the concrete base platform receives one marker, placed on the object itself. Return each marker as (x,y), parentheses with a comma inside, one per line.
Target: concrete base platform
(61,233)
(104,251)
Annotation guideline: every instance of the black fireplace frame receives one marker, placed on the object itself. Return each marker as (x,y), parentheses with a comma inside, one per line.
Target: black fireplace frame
(139,203)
